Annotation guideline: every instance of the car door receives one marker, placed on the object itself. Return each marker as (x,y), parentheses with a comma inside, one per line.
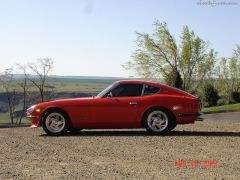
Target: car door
(119,107)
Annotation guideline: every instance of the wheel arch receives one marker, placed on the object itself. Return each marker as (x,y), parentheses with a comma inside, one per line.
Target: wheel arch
(54,108)
(153,108)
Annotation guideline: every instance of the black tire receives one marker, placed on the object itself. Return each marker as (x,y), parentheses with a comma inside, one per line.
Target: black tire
(174,125)
(60,117)
(166,117)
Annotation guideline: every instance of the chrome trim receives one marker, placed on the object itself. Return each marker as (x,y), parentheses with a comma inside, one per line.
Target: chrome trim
(133,103)
(191,114)
(31,117)
(143,88)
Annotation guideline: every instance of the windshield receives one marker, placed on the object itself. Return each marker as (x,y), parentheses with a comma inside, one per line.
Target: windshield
(101,94)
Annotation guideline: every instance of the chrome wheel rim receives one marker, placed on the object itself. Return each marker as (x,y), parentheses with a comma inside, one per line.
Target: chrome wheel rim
(157,121)
(55,122)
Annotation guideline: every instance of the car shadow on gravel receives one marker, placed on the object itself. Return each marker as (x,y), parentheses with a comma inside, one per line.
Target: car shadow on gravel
(144,133)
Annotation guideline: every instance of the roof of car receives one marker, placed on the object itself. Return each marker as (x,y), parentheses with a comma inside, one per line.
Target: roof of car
(139,81)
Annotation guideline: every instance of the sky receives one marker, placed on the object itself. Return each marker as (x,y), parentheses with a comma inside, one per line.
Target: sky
(95,37)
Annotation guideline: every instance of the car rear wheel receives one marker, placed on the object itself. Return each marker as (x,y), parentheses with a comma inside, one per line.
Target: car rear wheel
(158,121)
(55,122)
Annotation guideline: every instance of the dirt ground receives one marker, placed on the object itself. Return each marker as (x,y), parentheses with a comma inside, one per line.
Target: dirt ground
(204,150)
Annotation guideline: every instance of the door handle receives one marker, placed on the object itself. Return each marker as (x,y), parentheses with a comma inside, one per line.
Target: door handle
(133,103)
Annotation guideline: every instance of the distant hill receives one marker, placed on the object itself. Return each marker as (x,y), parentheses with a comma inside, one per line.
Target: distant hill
(20,76)
(87,77)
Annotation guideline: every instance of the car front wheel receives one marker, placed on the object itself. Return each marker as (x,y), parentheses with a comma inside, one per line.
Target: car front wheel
(158,121)
(55,122)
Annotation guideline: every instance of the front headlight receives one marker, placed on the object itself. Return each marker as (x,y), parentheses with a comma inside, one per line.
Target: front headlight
(31,109)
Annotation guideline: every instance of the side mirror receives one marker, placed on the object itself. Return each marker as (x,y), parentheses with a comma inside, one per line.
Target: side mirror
(109,95)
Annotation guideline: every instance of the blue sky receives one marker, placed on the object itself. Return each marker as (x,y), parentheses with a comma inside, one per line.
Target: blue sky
(94,37)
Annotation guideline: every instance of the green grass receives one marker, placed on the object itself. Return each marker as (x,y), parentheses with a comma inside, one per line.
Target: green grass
(71,85)
(229,107)
(4,118)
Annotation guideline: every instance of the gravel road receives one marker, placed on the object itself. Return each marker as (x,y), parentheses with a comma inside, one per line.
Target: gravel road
(204,150)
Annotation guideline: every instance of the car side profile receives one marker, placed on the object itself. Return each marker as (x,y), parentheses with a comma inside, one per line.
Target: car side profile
(123,104)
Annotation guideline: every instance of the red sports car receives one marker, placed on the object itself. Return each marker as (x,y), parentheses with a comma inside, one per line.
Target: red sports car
(124,104)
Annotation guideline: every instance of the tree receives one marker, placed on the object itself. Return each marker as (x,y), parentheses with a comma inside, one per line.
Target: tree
(159,56)
(156,55)
(228,74)
(6,80)
(195,60)
(39,76)
(235,69)
(23,84)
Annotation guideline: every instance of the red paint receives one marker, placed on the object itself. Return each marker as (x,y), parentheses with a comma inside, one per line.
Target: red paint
(117,112)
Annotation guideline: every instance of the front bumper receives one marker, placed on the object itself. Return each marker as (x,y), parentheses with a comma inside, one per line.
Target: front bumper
(34,120)
(31,118)
(33,114)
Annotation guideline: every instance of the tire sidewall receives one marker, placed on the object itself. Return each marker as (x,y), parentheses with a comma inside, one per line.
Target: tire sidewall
(66,126)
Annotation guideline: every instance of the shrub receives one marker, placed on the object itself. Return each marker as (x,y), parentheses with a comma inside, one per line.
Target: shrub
(210,95)
(174,79)
(222,101)
(235,96)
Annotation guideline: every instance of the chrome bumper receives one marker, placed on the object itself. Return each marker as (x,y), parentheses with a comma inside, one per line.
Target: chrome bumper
(31,118)
(192,114)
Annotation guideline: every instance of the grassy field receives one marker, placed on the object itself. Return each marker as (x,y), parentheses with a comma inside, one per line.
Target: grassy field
(229,107)
(72,85)
(4,119)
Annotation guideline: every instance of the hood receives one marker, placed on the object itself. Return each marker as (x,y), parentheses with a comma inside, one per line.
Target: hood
(64,102)
(73,99)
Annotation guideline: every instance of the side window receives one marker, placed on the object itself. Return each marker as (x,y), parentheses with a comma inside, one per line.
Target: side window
(127,90)
(149,89)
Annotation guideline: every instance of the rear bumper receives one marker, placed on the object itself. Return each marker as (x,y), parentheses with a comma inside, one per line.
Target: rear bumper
(190,117)
(190,114)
